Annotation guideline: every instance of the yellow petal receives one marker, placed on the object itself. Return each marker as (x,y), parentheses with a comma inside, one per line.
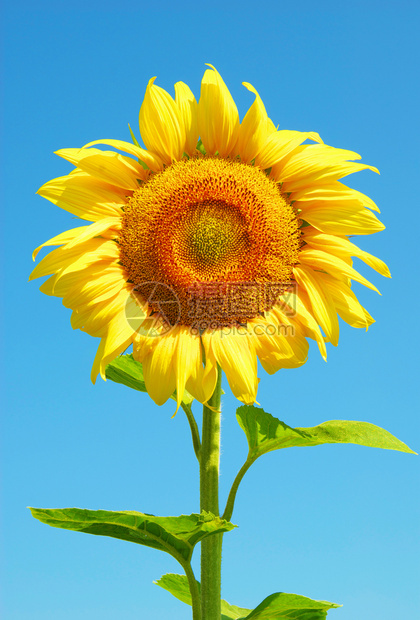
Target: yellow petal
(322,304)
(61,239)
(366,201)
(187,355)
(85,196)
(202,383)
(334,192)
(271,128)
(316,164)
(291,329)
(108,166)
(117,339)
(47,287)
(326,175)
(96,320)
(218,118)
(236,356)
(342,219)
(151,160)
(93,291)
(158,369)
(277,342)
(89,251)
(188,366)
(95,230)
(150,328)
(254,129)
(77,275)
(336,209)
(300,305)
(333,265)
(280,144)
(50,287)
(346,302)
(188,108)
(143,345)
(136,310)
(161,124)
(343,248)
(97,361)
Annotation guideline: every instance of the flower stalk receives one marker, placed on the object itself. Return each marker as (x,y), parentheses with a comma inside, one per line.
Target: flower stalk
(195,592)
(195,434)
(211,547)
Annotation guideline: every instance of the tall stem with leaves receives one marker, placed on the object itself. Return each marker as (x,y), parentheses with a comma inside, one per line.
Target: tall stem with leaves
(211,547)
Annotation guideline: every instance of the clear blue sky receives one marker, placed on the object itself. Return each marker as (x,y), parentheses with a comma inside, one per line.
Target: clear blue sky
(335,522)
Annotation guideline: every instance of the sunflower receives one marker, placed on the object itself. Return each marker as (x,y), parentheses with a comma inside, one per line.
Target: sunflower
(219,243)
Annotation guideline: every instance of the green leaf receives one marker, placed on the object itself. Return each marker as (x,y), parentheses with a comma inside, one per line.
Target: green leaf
(279,605)
(177,585)
(233,612)
(127,371)
(175,535)
(287,606)
(124,369)
(265,433)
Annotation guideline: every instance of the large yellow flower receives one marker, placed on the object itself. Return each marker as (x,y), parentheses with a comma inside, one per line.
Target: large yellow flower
(221,242)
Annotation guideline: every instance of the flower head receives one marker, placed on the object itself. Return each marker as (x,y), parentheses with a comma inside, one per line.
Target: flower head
(219,243)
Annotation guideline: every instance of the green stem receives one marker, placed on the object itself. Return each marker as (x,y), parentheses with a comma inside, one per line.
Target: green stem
(232,494)
(194,429)
(195,592)
(211,547)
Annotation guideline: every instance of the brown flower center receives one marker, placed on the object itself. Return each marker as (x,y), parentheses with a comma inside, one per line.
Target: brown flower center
(216,236)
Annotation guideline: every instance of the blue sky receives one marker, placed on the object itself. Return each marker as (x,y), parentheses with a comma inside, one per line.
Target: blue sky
(338,523)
